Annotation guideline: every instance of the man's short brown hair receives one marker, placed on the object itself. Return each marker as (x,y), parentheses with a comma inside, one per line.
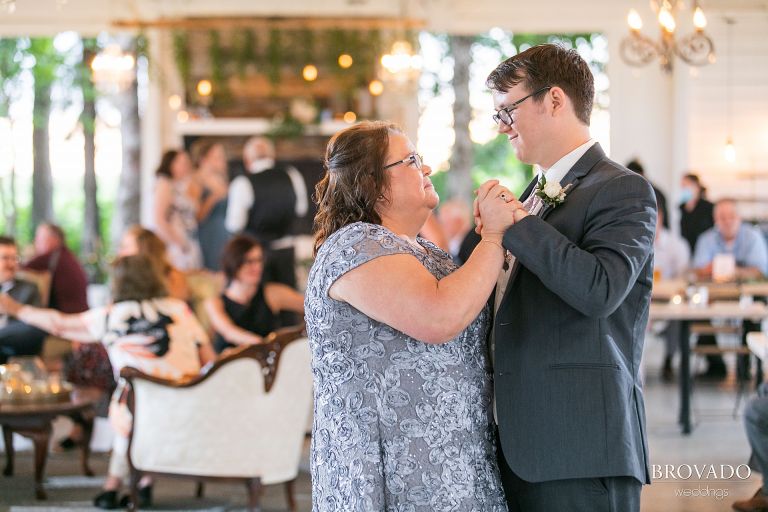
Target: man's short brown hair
(548,65)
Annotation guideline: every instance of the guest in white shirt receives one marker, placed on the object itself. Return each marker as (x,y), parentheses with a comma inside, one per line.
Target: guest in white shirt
(671,260)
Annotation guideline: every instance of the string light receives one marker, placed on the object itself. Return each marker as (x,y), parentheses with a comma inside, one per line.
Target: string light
(174,101)
(345,60)
(376,87)
(204,87)
(309,72)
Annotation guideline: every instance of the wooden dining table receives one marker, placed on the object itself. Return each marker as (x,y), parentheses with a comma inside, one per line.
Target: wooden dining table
(686,313)
(665,289)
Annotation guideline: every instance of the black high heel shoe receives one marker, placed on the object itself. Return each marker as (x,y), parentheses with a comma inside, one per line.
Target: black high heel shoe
(145,497)
(107,500)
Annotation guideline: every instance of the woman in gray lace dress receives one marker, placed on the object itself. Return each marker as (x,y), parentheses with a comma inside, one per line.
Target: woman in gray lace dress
(403,394)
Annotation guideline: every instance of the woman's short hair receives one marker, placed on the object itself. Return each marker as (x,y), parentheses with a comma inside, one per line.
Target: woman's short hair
(354,179)
(55,231)
(152,246)
(164,169)
(136,278)
(233,254)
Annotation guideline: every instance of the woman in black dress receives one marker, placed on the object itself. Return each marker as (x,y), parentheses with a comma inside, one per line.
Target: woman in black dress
(248,310)
(695,210)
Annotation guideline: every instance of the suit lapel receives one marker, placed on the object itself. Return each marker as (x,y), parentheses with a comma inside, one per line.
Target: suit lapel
(580,169)
(529,189)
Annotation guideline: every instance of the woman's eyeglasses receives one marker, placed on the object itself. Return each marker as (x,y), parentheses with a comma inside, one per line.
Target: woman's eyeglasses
(413,158)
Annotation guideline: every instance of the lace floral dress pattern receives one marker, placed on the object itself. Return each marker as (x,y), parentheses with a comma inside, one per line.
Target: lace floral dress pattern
(399,425)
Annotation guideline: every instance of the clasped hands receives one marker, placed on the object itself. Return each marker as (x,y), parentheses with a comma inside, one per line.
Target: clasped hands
(496,209)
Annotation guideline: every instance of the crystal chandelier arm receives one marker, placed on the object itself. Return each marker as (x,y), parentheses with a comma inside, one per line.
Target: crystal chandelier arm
(638,50)
(696,49)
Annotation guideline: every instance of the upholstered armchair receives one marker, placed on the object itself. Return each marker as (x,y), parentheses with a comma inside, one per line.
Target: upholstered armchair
(242,419)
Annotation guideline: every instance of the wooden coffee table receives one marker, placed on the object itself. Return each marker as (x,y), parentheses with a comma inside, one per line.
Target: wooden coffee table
(34,422)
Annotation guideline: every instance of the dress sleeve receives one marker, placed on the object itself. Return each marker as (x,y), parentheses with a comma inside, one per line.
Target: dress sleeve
(352,246)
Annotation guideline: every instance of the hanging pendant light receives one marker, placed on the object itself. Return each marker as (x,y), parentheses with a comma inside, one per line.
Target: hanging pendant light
(729,151)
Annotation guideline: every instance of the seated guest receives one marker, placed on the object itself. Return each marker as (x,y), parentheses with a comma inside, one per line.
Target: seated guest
(748,247)
(756,424)
(87,365)
(248,309)
(17,338)
(140,240)
(69,283)
(670,261)
(142,328)
(731,236)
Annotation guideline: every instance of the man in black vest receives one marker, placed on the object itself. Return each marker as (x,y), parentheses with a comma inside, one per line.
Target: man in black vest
(264,203)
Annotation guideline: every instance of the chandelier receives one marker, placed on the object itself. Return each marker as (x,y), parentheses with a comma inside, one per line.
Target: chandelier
(113,70)
(401,62)
(695,49)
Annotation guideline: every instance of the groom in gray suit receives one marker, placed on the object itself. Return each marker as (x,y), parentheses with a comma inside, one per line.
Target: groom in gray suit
(572,303)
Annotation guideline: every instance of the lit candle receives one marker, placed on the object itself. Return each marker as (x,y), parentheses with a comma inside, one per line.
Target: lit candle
(699,20)
(634,20)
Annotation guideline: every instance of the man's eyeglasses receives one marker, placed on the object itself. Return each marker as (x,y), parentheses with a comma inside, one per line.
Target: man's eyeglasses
(505,114)
(413,158)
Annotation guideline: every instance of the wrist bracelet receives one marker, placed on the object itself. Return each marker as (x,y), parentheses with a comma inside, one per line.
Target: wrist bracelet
(497,244)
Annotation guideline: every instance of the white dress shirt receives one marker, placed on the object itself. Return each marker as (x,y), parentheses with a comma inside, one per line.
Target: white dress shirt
(672,256)
(560,168)
(241,195)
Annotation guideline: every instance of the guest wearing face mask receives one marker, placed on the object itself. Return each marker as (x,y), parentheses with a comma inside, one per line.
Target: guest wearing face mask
(696,213)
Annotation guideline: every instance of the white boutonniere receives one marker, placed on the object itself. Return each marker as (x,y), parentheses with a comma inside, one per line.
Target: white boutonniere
(551,193)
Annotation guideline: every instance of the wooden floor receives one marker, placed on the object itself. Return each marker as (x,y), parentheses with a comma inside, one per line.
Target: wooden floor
(718,439)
